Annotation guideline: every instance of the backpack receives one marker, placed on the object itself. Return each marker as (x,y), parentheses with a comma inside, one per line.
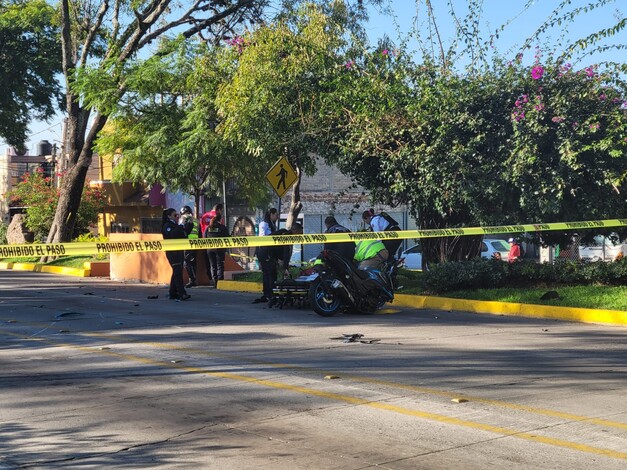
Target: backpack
(392,224)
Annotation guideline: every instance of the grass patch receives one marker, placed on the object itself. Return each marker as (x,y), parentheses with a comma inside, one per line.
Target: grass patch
(255,276)
(595,297)
(66,261)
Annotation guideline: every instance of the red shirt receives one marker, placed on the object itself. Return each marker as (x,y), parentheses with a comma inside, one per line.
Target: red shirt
(205,219)
(514,252)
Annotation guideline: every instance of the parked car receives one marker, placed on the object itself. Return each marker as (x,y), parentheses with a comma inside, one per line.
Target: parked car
(602,250)
(489,249)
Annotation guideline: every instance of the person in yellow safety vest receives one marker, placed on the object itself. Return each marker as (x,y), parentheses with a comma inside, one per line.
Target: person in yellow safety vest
(192,229)
(370,253)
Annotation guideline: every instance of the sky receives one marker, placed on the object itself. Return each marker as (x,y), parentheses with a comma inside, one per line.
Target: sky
(524,17)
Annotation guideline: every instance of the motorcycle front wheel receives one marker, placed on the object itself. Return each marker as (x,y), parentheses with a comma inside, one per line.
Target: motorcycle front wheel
(324,303)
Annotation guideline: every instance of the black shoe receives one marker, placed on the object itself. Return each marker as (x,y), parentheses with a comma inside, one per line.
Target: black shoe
(261,300)
(185,297)
(173,297)
(190,284)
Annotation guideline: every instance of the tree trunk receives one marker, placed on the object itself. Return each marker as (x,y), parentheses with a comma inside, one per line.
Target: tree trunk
(296,205)
(443,249)
(71,189)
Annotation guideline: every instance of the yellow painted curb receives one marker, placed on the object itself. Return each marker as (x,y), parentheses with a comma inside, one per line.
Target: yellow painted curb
(585,315)
(79,272)
(41,268)
(240,286)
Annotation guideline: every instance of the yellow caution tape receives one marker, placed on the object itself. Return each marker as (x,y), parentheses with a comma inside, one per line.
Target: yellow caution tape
(143,246)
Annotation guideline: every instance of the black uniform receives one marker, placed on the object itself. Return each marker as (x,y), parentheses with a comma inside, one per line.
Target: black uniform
(345,249)
(191,226)
(172,230)
(216,255)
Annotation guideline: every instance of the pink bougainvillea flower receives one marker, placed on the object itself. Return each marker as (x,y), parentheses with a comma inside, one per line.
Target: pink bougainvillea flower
(557,119)
(385,52)
(349,64)
(602,96)
(537,72)
(539,107)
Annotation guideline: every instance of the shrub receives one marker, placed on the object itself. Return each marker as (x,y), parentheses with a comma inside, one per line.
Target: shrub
(473,274)
(486,274)
(40,197)
(89,237)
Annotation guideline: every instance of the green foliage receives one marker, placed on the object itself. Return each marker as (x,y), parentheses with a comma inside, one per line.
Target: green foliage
(472,274)
(40,197)
(489,274)
(30,59)
(91,238)
(281,76)
(166,128)
(3,233)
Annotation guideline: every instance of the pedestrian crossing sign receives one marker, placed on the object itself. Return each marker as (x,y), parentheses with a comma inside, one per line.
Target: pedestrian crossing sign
(281,176)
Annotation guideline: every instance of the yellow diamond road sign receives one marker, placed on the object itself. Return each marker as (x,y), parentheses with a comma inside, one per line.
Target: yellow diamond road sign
(281,176)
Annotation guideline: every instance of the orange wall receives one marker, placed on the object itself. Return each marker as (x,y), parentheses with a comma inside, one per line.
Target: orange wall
(153,267)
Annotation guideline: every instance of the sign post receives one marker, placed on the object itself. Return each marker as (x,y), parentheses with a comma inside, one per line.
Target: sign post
(281,176)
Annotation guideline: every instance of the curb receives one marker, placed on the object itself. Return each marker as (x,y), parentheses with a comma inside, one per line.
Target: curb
(42,268)
(574,314)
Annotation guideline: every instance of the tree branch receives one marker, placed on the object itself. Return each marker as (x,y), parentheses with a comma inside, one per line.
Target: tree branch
(199,25)
(93,31)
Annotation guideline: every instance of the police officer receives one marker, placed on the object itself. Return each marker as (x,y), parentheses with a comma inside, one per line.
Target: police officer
(192,229)
(172,230)
(345,249)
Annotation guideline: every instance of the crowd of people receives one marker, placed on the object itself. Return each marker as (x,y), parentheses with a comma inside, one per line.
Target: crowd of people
(272,259)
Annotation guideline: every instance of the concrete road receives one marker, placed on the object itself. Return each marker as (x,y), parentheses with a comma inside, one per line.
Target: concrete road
(95,374)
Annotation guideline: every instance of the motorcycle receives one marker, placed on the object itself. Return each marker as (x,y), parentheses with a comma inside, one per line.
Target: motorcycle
(337,285)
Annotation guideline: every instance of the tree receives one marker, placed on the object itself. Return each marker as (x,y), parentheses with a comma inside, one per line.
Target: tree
(281,76)
(450,142)
(29,60)
(166,127)
(100,42)
(515,143)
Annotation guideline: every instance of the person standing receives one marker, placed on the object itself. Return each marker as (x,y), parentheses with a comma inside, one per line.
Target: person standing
(514,250)
(172,230)
(192,229)
(383,222)
(216,256)
(267,262)
(345,249)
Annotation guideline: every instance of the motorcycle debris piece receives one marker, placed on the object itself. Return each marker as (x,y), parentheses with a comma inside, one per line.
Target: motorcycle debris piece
(459,400)
(331,377)
(153,297)
(369,341)
(67,314)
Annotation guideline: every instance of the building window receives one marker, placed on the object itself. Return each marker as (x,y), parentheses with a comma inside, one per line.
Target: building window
(150,225)
(118,227)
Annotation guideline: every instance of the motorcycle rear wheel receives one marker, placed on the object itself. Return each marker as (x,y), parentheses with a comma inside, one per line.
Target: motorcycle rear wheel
(323,303)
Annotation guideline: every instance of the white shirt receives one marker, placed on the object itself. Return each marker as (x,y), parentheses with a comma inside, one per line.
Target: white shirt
(264,228)
(378,223)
